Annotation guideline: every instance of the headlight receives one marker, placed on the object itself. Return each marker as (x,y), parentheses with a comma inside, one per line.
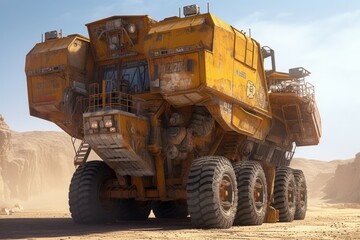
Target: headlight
(108,123)
(94,125)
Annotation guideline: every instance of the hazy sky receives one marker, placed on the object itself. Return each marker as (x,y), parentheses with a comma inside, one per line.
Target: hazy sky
(322,36)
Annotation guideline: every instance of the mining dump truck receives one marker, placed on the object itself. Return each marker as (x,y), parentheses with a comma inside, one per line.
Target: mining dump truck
(184,117)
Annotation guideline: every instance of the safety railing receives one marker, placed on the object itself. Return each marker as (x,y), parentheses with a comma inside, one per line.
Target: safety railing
(300,87)
(109,99)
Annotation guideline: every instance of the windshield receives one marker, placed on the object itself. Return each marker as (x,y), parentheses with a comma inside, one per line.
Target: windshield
(137,77)
(134,78)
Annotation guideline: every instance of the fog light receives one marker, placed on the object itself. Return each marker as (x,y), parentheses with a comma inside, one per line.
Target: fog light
(112,129)
(108,123)
(94,125)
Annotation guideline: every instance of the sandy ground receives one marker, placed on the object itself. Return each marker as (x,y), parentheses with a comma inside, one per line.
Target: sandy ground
(325,222)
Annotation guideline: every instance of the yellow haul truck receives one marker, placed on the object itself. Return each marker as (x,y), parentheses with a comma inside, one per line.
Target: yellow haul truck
(184,117)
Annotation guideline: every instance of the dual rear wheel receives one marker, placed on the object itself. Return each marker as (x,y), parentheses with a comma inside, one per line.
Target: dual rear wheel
(290,194)
(221,195)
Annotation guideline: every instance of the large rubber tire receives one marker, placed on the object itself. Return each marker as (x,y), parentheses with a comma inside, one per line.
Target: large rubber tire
(301,195)
(87,204)
(252,193)
(212,193)
(285,194)
(170,209)
(130,209)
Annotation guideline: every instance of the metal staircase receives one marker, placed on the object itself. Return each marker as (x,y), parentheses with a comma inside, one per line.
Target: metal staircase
(82,153)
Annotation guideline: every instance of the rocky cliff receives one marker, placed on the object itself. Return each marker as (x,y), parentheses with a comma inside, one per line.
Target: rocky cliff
(5,151)
(317,174)
(33,163)
(344,186)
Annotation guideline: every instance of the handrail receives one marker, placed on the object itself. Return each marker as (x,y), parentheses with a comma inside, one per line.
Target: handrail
(298,86)
(110,99)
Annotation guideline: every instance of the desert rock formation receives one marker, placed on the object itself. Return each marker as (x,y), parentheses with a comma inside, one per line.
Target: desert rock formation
(5,147)
(33,163)
(317,173)
(344,186)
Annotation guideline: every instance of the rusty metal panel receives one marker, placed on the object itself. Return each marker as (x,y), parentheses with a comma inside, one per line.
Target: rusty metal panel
(304,130)
(57,73)
(180,35)
(241,81)
(178,23)
(126,149)
(119,36)
(250,124)
(46,89)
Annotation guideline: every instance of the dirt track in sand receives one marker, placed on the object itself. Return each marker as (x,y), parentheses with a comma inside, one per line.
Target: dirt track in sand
(321,223)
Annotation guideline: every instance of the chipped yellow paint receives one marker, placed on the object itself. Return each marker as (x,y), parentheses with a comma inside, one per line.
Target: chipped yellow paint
(227,66)
(52,68)
(249,124)
(132,43)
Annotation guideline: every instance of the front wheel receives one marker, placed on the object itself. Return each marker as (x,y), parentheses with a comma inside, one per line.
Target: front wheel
(212,193)
(88,203)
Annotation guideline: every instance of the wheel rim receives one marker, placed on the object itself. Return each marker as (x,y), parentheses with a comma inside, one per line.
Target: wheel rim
(259,195)
(226,193)
(291,194)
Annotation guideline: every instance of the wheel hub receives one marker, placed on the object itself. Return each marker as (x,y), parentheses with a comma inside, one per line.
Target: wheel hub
(226,192)
(259,195)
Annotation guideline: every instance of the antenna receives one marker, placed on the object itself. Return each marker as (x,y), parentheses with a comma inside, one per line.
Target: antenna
(208,7)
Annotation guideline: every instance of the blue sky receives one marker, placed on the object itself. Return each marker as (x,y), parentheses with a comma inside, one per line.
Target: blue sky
(322,36)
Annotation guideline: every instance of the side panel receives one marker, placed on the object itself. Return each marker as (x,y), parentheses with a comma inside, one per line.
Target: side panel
(219,63)
(178,78)
(235,70)
(176,73)
(233,117)
(57,74)
(123,145)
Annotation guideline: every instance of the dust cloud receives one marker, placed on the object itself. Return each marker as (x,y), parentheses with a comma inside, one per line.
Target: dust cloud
(35,168)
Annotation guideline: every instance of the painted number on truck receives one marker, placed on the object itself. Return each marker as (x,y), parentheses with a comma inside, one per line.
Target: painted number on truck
(174,67)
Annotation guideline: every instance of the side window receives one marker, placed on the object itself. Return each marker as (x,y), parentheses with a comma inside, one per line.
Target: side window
(111,75)
(137,77)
